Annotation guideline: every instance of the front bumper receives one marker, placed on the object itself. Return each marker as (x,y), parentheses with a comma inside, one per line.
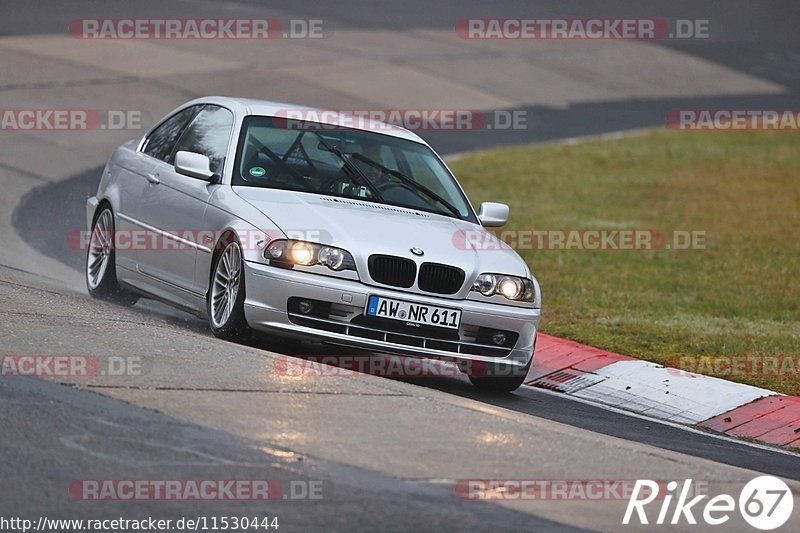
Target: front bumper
(269,290)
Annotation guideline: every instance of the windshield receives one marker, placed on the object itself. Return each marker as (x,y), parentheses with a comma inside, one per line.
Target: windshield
(318,158)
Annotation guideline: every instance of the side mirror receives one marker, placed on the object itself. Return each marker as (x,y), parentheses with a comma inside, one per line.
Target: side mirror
(492,214)
(193,165)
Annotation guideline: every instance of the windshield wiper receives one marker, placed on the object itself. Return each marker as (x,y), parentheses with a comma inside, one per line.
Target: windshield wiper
(411,183)
(353,169)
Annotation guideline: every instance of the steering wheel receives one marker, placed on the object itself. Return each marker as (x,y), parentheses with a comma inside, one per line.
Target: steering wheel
(326,184)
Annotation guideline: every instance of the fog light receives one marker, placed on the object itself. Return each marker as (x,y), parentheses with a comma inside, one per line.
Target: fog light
(499,338)
(304,306)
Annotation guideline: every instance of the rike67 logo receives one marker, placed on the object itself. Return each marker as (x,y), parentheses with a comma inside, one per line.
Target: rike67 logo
(765,503)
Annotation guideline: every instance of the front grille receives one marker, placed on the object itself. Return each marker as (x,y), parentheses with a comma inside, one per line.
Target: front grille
(441,279)
(394,271)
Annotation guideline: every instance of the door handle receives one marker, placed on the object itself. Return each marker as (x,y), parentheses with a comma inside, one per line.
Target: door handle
(153,178)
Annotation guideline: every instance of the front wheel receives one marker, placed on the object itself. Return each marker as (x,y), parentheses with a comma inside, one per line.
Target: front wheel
(498,377)
(225,301)
(101,268)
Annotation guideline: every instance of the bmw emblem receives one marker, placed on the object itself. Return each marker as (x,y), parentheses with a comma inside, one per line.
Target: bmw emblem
(417,251)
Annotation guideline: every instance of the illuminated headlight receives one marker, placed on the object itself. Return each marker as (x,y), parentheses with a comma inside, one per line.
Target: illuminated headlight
(301,253)
(288,253)
(511,287)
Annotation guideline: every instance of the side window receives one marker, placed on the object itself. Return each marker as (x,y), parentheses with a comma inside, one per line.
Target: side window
(208,134)
(162,140)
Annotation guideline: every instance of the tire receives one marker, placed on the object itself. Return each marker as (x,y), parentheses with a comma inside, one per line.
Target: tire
(101,262)
(226,293)
(498,377)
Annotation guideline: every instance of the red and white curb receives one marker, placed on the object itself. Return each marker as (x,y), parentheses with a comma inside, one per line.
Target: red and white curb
(663,393)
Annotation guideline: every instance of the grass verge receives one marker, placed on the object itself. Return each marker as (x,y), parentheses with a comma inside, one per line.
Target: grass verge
(729,308)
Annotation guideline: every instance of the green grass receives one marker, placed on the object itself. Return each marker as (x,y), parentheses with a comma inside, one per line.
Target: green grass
(740,296)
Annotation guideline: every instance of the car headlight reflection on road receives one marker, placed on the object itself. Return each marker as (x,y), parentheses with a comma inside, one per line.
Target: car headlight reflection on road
(511,287)
(286,253)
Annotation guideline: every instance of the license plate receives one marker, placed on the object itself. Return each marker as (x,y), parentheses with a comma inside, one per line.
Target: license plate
(427,315)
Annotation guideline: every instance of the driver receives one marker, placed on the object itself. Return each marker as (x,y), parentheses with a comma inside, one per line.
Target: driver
(372,151)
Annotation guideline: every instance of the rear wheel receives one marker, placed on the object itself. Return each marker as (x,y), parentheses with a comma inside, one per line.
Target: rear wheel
(101,269)
(225,301)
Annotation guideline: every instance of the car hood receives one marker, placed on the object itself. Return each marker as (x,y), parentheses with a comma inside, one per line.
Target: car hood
(366,228)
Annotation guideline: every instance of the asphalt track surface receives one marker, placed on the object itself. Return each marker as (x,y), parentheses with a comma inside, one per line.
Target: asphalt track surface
(54,434)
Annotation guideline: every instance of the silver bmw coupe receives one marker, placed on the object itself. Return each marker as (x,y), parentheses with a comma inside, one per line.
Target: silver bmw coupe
(340,230)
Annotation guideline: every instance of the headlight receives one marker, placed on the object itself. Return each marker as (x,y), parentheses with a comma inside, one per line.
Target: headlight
(302,253)
(287,253)
(512,287)
(333,258)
